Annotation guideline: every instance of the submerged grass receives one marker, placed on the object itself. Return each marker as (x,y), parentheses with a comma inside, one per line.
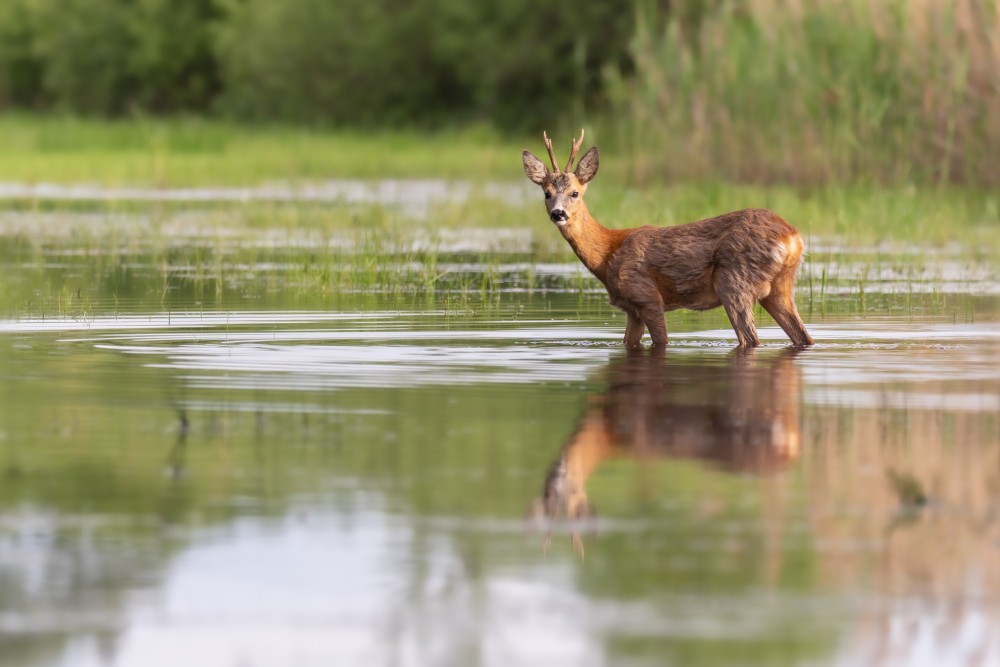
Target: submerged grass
(71,264)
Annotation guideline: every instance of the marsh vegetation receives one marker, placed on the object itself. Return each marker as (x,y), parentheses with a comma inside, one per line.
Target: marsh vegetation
(279,394)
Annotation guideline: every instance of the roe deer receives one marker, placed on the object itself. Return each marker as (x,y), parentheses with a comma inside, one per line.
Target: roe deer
(730,260)
(742,416)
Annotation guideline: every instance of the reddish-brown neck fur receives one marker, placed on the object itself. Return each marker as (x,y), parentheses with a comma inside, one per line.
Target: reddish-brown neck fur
(590,446)
(592,242)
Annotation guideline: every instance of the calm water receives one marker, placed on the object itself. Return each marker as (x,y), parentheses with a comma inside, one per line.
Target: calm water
(256,476)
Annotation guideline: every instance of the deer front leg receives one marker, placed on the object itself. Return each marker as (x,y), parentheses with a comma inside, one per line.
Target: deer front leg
(638,297)
(634,328)
(653,317)
(647,304)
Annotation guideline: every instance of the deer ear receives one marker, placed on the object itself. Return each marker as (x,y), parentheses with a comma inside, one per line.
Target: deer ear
(586,169)
(534,168)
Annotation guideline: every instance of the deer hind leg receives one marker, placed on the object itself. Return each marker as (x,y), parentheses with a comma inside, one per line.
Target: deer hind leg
(780,304)
(634,329)
(737,298)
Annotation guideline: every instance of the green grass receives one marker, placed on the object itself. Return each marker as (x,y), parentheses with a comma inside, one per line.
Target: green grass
(192,152)
(197,152)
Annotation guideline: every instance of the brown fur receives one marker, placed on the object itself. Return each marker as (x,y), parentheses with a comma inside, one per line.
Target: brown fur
(730,260)
(742,416)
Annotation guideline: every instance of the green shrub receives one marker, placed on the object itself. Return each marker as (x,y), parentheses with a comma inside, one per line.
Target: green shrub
(20,68)
(107,56)
(511,62)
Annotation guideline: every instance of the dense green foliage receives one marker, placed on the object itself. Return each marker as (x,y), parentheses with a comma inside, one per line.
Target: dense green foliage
(108,57)
(762,91)
(352,61)
(382,61)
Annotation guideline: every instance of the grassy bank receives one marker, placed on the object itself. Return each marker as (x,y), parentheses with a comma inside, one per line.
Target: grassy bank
(198,152)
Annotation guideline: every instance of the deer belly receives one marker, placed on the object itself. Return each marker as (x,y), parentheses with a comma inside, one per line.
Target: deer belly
(699,295)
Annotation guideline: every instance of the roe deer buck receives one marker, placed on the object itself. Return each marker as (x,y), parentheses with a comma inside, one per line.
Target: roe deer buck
(730,260)
(742,417)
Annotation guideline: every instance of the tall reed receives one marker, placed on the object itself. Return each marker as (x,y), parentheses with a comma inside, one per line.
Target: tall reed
(813,91)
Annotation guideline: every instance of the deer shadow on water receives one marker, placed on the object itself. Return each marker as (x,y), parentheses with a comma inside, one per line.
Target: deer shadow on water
(739,413)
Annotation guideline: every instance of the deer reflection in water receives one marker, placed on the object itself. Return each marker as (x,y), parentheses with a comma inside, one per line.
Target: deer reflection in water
(740,413)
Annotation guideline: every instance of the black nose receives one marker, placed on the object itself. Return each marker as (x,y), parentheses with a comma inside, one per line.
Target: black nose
(558,214)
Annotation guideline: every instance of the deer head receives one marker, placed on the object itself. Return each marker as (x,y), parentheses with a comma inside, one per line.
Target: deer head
(563,189)
(562,498)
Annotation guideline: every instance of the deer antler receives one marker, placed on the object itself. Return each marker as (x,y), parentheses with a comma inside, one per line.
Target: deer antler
(548,147)
(572,153)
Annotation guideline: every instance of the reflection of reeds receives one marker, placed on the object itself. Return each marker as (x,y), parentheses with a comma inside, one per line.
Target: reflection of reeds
(933,563)
(815,91)
(953,458)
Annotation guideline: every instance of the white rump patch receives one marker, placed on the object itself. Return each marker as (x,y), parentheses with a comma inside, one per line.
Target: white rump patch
(779,253)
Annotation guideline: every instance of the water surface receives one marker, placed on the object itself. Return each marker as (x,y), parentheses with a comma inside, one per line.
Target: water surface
(233,466)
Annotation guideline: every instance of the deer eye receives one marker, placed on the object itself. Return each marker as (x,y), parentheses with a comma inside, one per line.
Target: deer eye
(575,194)
(548,195)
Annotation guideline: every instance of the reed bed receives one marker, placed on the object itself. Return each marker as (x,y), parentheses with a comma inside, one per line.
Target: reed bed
(813,92)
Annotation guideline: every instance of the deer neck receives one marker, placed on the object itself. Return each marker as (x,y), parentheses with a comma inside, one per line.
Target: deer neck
(592,242)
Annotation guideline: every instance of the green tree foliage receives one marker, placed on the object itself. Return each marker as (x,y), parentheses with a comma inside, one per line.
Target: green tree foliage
(763,91)
(356,62)
(20,69)
(418,62)
(107,56)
